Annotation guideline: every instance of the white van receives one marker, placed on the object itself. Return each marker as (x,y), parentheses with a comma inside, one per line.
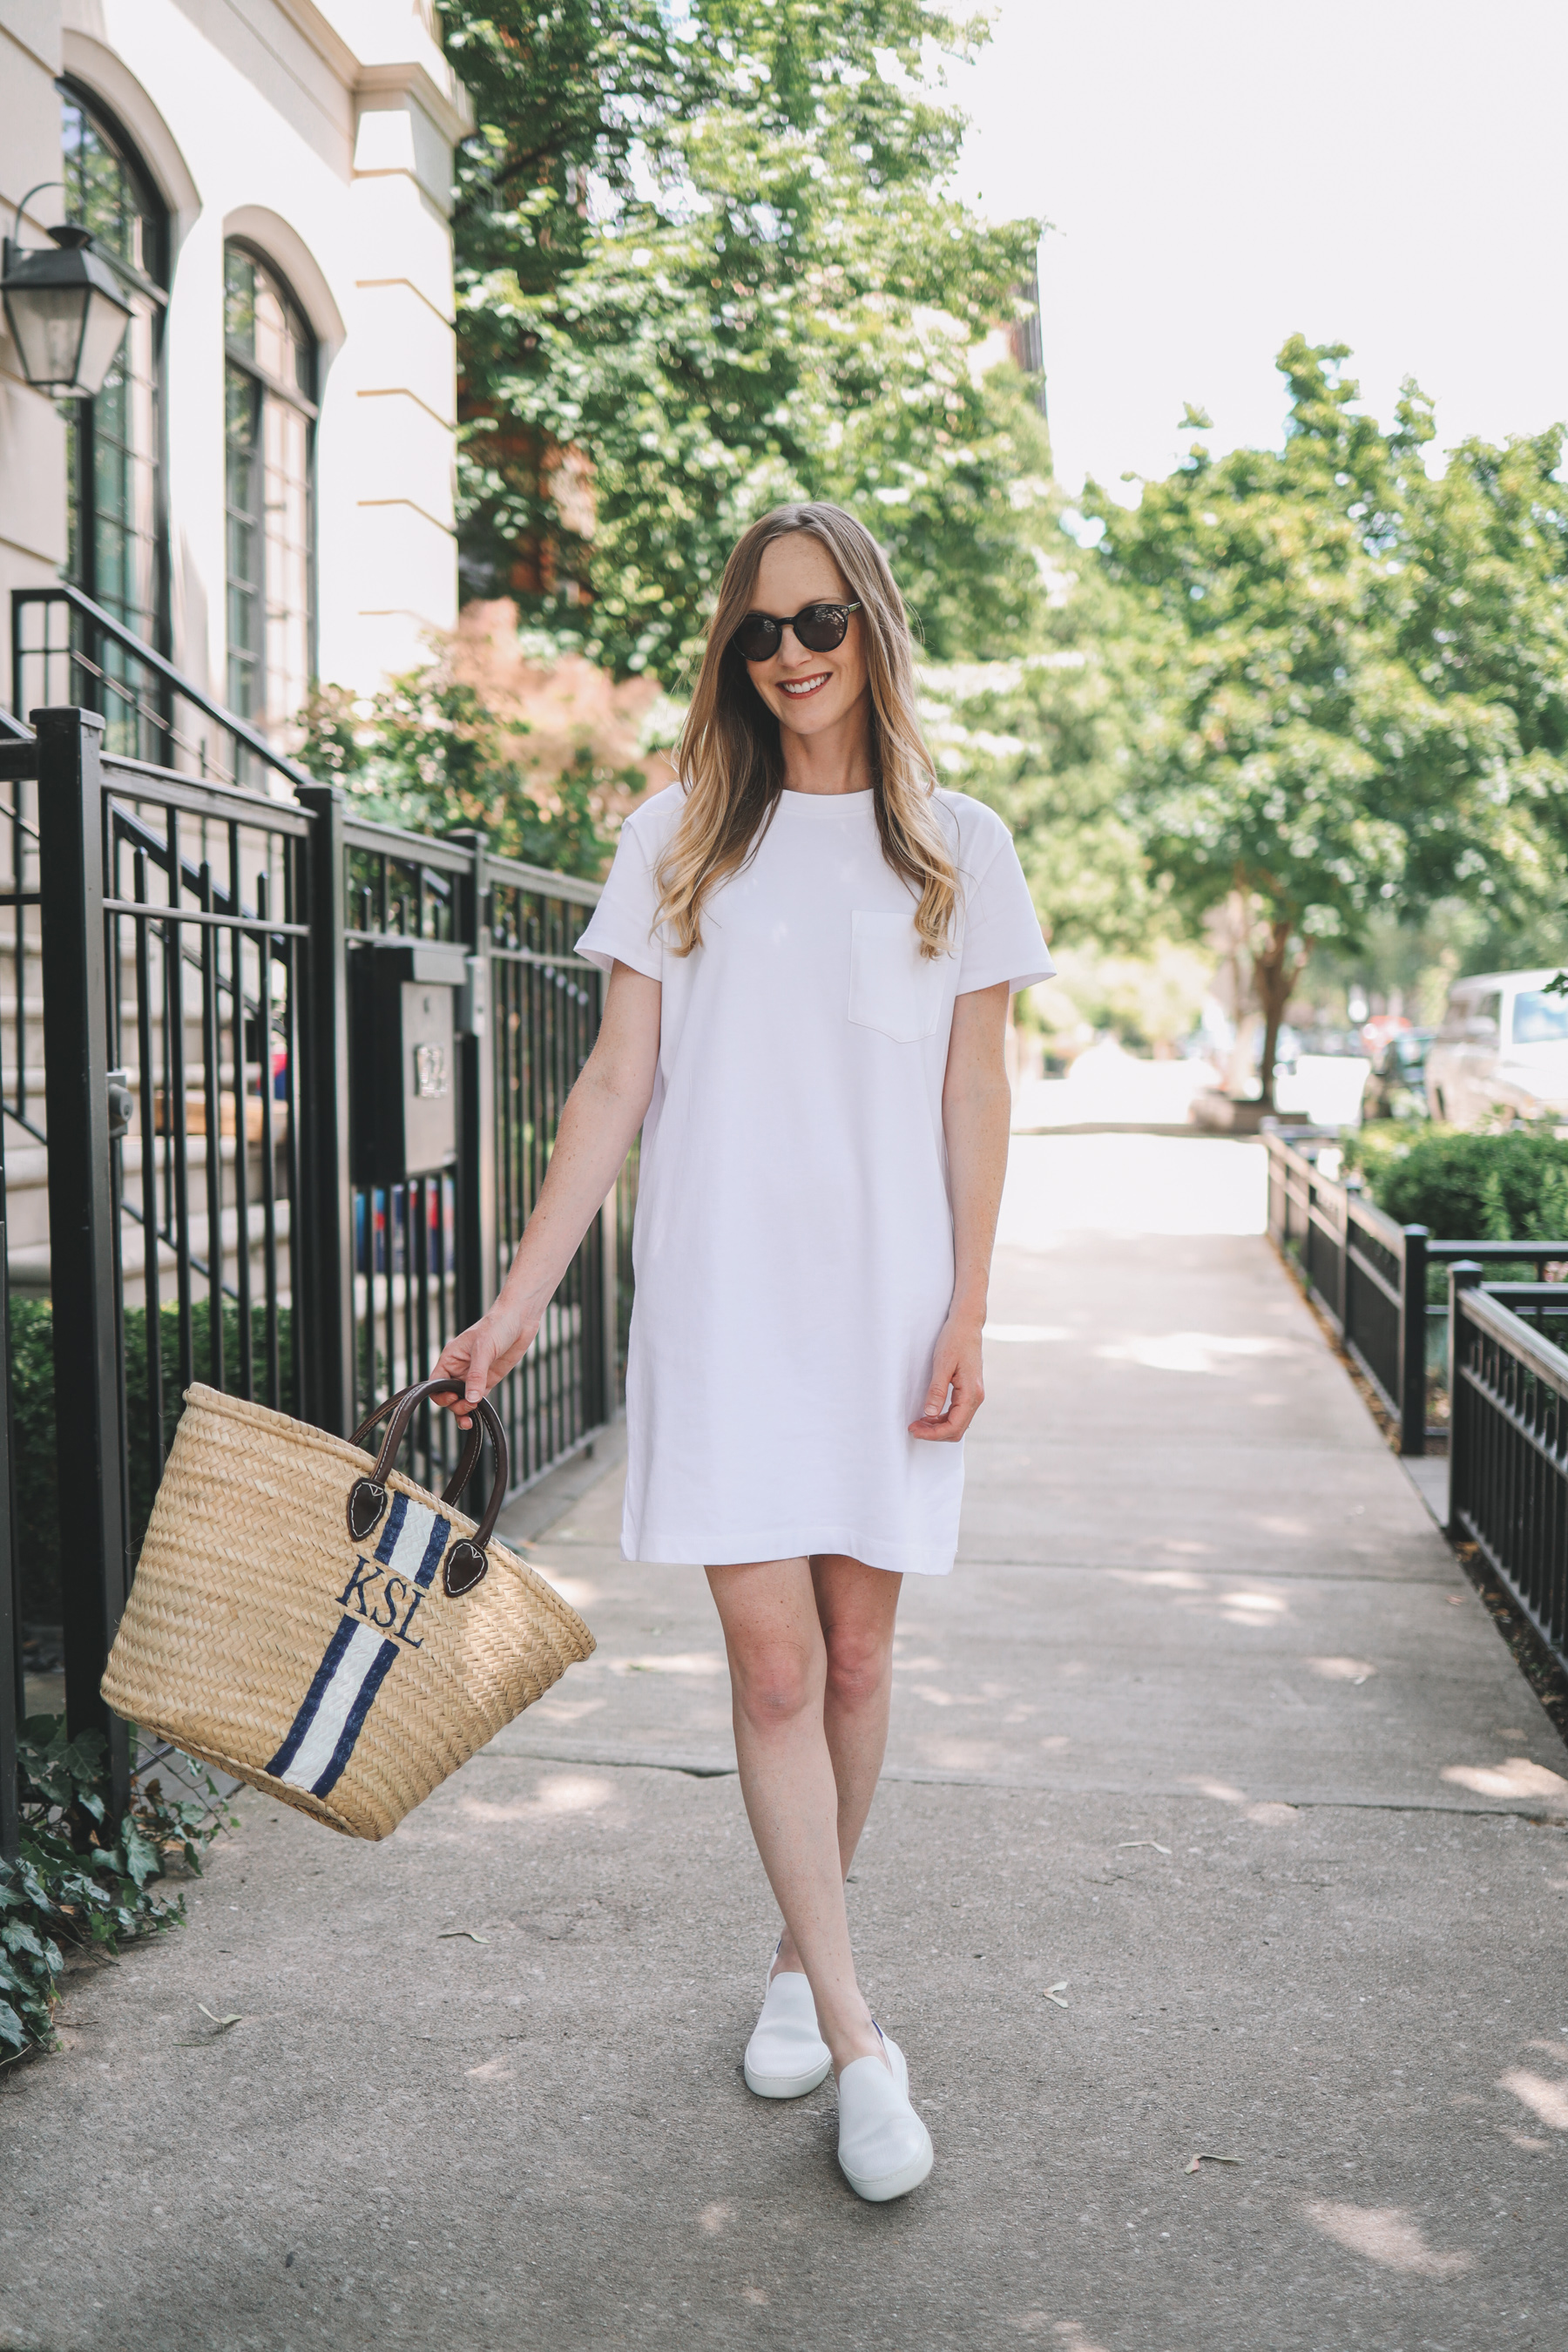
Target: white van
(1502,1050)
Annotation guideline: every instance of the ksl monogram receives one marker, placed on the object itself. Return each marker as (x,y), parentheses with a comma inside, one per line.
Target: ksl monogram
(392,1596)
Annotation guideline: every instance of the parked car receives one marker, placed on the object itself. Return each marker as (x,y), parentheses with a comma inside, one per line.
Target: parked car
(1396,1088)
(1502,1050)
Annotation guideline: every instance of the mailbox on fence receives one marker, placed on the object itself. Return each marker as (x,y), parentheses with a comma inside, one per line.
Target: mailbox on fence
(407,1000)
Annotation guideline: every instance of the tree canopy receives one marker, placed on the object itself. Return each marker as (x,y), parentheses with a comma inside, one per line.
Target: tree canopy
(1348,701)
(1045,740)
(705,262)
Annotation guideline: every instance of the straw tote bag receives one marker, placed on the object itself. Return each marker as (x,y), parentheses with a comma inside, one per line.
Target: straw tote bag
(329,1631)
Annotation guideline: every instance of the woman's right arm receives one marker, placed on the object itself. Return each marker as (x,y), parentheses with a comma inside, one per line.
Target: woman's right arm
(602,1113)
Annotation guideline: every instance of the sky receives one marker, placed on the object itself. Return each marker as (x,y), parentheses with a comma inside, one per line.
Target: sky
(1383,174)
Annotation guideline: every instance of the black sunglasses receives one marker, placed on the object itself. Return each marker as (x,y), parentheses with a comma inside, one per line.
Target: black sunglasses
(818,627)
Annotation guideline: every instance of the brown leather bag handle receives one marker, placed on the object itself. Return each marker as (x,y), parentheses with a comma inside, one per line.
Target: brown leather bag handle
(465,1564)
(467,1462)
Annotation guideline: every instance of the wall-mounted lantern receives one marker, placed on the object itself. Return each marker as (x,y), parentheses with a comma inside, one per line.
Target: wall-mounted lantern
(65,308)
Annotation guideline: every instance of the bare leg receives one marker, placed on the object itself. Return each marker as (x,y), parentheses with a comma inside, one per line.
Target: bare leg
(778,1671)
(856,1606)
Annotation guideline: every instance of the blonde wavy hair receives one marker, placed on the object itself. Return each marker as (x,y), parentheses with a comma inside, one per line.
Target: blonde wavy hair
(731,761)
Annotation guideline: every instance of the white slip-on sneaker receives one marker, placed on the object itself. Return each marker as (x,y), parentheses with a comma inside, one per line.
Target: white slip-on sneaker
(786,2056)
(884,2149)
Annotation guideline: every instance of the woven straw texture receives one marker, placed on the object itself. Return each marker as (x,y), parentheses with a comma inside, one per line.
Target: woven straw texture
(247,1631)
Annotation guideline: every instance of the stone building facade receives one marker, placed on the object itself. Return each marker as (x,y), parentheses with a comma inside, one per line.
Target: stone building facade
(263,488)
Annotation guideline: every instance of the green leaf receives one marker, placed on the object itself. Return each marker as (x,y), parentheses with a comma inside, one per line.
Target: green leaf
(143,1861)
(61,1891)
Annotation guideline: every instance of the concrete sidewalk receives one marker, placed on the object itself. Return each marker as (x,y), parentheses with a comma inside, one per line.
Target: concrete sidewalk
(1207,1733)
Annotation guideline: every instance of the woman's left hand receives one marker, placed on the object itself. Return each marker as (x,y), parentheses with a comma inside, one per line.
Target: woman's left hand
(955,1366)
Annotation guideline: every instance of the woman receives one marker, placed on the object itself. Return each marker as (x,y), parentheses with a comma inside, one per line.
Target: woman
(811,950)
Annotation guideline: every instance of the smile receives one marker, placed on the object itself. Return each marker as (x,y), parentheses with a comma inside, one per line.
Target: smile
(798,688)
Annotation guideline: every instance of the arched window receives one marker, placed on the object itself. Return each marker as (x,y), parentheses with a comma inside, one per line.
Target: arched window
(269,411)
(116,537)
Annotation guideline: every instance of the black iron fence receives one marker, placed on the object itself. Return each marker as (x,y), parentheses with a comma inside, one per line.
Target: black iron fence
(1508,1456)
(200,984)
(66,650)
(1505,1363)
(1369,1276)
(1363,1269)
(544,1015)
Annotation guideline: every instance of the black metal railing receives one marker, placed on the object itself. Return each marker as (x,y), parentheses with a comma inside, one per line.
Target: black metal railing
(1508,1456)
(429,1254)
(64,649)
(20,1060)
(544,1005)
(204,970)
(405,1301)
(16,757)
(1362,1267)
(1372,1278)
(180,1050)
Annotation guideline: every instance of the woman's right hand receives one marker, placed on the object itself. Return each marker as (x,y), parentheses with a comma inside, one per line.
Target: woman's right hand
(484,1354)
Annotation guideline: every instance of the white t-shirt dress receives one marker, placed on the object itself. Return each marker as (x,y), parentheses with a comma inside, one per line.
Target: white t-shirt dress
(793,1238)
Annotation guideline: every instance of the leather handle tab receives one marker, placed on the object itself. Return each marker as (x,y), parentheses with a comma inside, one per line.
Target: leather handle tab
(465,1563)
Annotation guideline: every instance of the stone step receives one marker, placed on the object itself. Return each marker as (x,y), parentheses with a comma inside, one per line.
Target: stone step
(29,1261)
(27,1177)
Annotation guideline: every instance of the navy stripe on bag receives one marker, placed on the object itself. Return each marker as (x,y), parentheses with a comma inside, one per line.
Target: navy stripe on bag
(360,1657)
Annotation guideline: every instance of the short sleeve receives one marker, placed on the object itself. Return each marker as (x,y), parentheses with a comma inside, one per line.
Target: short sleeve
(621,929)
(1001,929)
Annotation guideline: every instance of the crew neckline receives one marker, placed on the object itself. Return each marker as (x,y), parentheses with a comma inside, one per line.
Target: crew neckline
(819,805)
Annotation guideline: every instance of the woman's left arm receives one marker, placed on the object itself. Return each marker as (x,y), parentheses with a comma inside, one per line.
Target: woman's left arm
(976,1116)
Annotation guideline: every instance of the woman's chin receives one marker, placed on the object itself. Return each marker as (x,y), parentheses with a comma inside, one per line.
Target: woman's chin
(812,716)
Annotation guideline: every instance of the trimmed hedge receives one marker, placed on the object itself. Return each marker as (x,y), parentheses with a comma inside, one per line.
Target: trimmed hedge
(1511,1187)
(33,1418)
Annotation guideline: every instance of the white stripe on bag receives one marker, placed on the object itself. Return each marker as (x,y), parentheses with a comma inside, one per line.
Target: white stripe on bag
(316,1751)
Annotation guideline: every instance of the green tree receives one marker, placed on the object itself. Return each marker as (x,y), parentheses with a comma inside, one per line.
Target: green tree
(1480,610)
(426,754)
(707,263)
(1046,740)
(1309,748)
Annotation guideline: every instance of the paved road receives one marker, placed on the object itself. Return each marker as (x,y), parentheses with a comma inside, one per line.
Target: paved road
(1207,1733)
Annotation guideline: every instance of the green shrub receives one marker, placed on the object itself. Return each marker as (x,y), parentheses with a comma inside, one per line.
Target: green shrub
(81,1879)
(1480,1188)
(33,1415)
(1375,1146)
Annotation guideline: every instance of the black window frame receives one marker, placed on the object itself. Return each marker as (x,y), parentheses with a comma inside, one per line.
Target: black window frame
(152,282)
(267,385)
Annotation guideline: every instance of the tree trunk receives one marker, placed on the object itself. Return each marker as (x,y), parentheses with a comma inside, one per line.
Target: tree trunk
(1275,973)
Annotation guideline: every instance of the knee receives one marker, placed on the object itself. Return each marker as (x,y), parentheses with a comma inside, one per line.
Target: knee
(776,1685)
(858,1669)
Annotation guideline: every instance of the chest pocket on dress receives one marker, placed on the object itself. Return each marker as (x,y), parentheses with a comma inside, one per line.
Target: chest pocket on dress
(892,987)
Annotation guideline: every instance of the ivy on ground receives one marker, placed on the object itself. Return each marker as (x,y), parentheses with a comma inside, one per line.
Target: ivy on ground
(79,1881)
